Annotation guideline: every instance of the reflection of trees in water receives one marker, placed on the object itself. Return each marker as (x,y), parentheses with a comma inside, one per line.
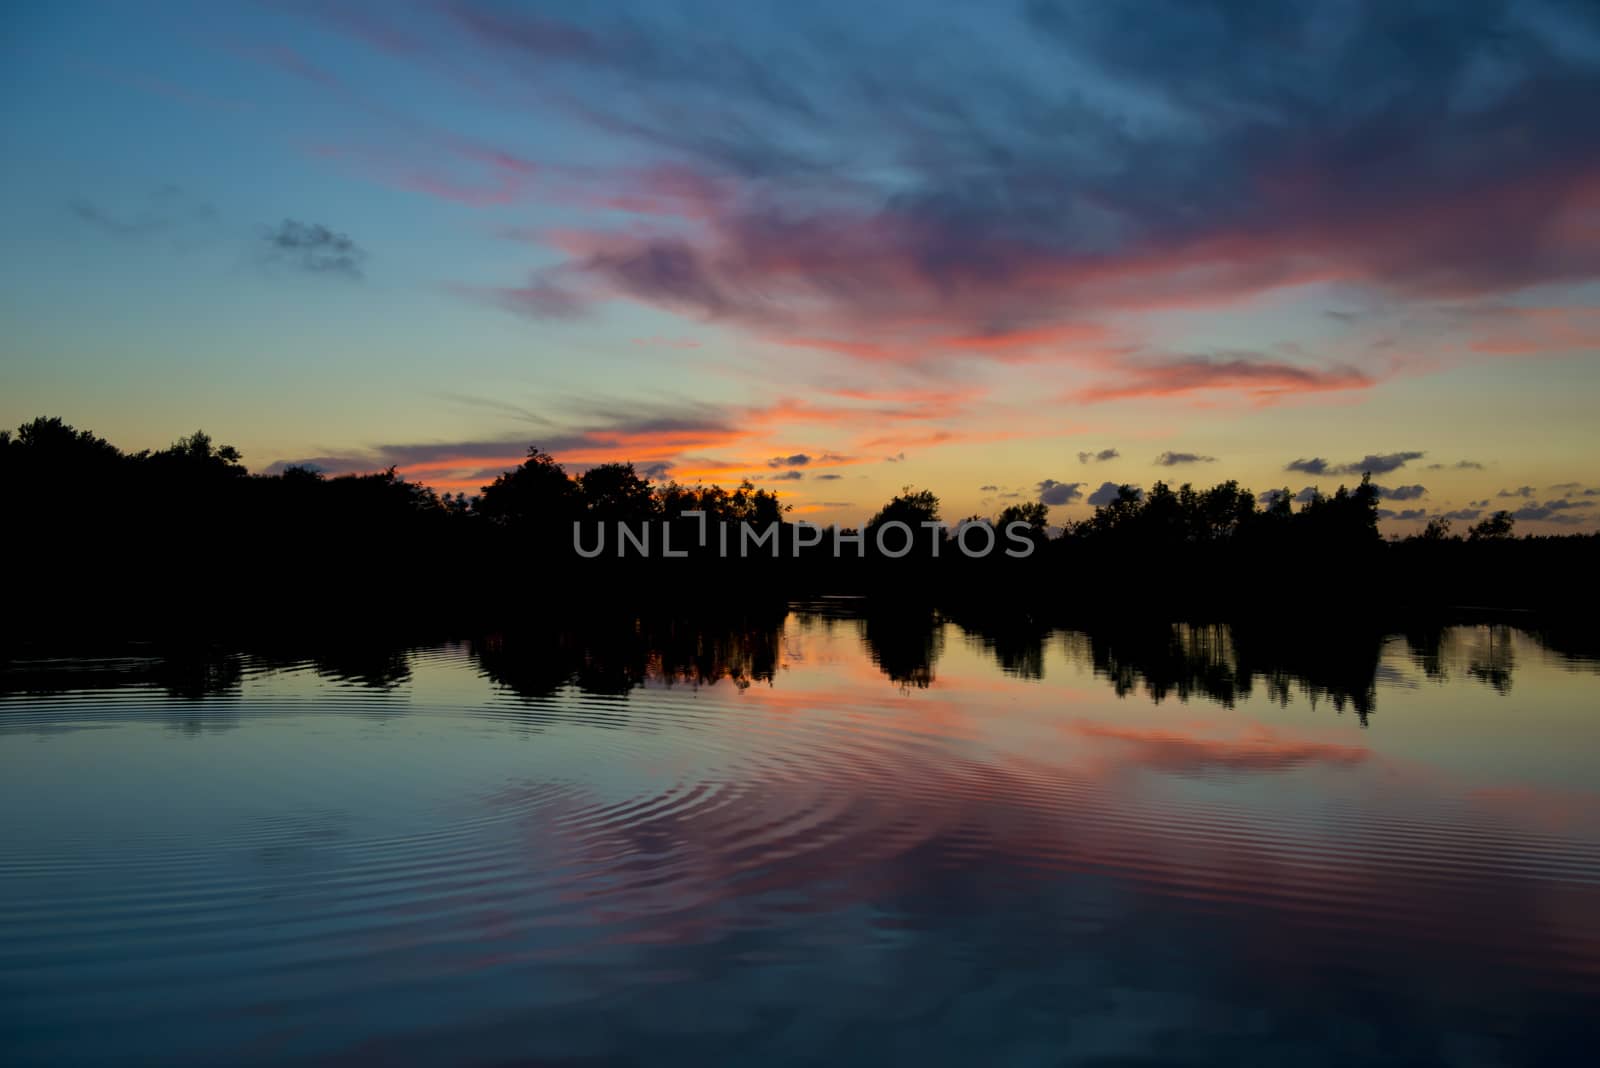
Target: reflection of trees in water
(209,684)
(190,675)
(1486,653)
(1017,645)
(904,645)
(1574,641)
(197,676)
(373,662)
(376,664)
(374,667)
(614,657)
(1166,661)
(1492,658)
(1219,662)
(1224,662)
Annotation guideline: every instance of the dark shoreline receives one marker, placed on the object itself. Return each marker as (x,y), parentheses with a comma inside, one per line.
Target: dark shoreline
(59,613)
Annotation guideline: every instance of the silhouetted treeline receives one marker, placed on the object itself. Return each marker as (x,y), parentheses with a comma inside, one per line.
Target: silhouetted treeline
(186,537)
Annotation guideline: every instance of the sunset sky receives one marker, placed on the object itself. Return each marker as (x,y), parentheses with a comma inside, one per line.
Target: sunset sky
(1012,251)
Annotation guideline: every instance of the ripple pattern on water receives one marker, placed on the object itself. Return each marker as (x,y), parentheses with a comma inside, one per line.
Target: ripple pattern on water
(422,864)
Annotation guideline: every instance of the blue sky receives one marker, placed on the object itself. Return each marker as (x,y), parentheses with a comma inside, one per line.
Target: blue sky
(950,245)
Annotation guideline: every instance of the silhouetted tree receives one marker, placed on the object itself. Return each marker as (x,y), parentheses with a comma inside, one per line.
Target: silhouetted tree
(1034,513)
(537,491)
(1437,529)
(1496,527)
(910,506)
(186,532)
(1118,513)
(615,493)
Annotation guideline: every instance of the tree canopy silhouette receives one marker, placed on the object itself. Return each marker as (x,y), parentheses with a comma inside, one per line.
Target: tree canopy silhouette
(96,532)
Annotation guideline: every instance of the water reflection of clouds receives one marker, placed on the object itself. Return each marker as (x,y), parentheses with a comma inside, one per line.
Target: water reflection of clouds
(1098,829)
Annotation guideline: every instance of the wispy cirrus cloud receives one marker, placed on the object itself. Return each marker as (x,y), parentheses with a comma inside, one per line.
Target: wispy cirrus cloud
(1256,376)
(166,210)
(1500,329)
(536,299)
(686,440)
(970,209)
(313,248)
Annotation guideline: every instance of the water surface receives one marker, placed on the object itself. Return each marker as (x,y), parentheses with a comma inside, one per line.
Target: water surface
(808,839)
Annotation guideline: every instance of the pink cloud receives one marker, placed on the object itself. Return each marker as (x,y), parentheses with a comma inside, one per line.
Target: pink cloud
(1262,379)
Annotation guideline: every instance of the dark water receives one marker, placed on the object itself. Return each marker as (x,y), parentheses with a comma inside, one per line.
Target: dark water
(813,839)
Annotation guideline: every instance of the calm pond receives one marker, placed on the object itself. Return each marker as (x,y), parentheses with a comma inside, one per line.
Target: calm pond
(808,839)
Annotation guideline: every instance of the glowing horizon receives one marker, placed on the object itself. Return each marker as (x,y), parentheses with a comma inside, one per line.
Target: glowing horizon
(1043,254)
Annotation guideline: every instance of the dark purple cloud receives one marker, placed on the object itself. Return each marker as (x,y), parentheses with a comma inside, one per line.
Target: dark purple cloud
(1107,493)
(1547,514)
(1054,493)
(1400,493)
(594,431)
(1372,463)
(1378,463)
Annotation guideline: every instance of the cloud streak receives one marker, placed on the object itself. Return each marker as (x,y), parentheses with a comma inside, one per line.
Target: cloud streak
(314,249)
(1372,463)
(1400,493)
(164,211)
(975,208)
